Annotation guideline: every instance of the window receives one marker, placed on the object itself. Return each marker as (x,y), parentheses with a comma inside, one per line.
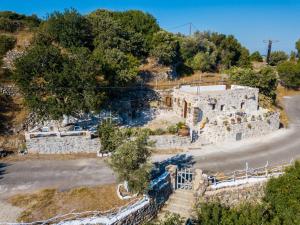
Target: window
(222,107)
(213,106)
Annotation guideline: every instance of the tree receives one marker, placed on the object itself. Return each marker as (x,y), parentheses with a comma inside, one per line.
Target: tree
(277,57)
(110,136)
(265,79)
(165,48)
(119,68)
(298,47)
(203,62)
(293,56)
(69,29)
(256,57)
(7,42)
(112,30)
(289,73)
(55,84)
(283,196)
(130,162)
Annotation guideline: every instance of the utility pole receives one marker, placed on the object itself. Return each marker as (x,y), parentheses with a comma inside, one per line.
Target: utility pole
(270,43)
(190,29)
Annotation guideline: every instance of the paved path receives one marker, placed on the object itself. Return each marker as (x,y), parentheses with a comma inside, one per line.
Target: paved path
(30,175)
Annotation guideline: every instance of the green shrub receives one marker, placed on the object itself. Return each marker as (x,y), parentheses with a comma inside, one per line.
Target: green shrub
(289,73)
(7,42)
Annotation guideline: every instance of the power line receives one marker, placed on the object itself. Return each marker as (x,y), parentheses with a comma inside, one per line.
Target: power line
(190,25)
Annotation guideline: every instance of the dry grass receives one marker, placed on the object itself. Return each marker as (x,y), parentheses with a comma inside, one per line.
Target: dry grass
(167,151)
(197,78)
(51,202)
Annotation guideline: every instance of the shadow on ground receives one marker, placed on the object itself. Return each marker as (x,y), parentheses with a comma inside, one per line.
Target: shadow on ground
(181,161)
(2,169)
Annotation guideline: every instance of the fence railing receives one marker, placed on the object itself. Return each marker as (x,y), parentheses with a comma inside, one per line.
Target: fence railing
(247,173)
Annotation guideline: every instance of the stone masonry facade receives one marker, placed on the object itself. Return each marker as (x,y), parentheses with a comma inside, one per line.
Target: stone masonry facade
(216,113)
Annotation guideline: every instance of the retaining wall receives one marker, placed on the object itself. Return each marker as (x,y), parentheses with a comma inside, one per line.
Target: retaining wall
(233,196)
(85,144)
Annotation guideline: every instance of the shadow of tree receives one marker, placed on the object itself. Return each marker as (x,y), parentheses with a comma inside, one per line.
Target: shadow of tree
(180,160)
(2,169)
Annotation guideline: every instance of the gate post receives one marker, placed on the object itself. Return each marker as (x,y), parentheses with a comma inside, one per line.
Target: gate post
(172,169)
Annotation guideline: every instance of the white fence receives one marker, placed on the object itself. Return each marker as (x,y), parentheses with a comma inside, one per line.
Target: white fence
(248,175)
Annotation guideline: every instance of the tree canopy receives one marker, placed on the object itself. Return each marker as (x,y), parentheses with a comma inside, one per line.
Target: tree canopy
(289,74)
(69,29)
(265,79)
(130,161)
(298,47)
(7,42)
(11,21)
(55,84)
(277,57)
(106,48)
(256,57)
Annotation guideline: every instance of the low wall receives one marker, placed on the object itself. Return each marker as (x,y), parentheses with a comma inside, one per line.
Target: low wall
(233,196)
(63,145)
(137,213)
(170,141)
(57,144)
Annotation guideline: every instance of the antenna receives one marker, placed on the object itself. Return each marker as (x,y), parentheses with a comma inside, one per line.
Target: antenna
(270,43)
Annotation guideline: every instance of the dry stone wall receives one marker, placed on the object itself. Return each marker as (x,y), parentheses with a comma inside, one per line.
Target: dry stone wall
(86,144)
(63,145)
(233,196)
(170,141)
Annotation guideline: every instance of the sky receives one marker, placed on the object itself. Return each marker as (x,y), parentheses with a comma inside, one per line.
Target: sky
(250,21)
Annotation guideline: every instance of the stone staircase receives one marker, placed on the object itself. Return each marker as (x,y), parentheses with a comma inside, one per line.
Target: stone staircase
(180,202)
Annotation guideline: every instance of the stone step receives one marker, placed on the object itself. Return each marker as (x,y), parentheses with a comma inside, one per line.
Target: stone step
(185,201)
(184,192)
(180,205)
(182,211)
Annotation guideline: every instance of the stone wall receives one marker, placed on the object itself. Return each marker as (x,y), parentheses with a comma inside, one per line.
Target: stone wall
(86,144)
(253,127)
(63,145)
(170,141)
(233,196)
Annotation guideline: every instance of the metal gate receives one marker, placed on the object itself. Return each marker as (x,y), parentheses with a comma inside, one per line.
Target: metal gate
(184,179)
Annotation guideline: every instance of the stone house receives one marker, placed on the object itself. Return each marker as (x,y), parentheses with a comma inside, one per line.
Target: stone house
(217,113)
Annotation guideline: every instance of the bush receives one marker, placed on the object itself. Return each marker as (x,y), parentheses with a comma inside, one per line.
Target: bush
(165,48)
(9,25)
(256,57)
(7,42)
(277,56)
(280,205)
(289,73)
(265,79)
